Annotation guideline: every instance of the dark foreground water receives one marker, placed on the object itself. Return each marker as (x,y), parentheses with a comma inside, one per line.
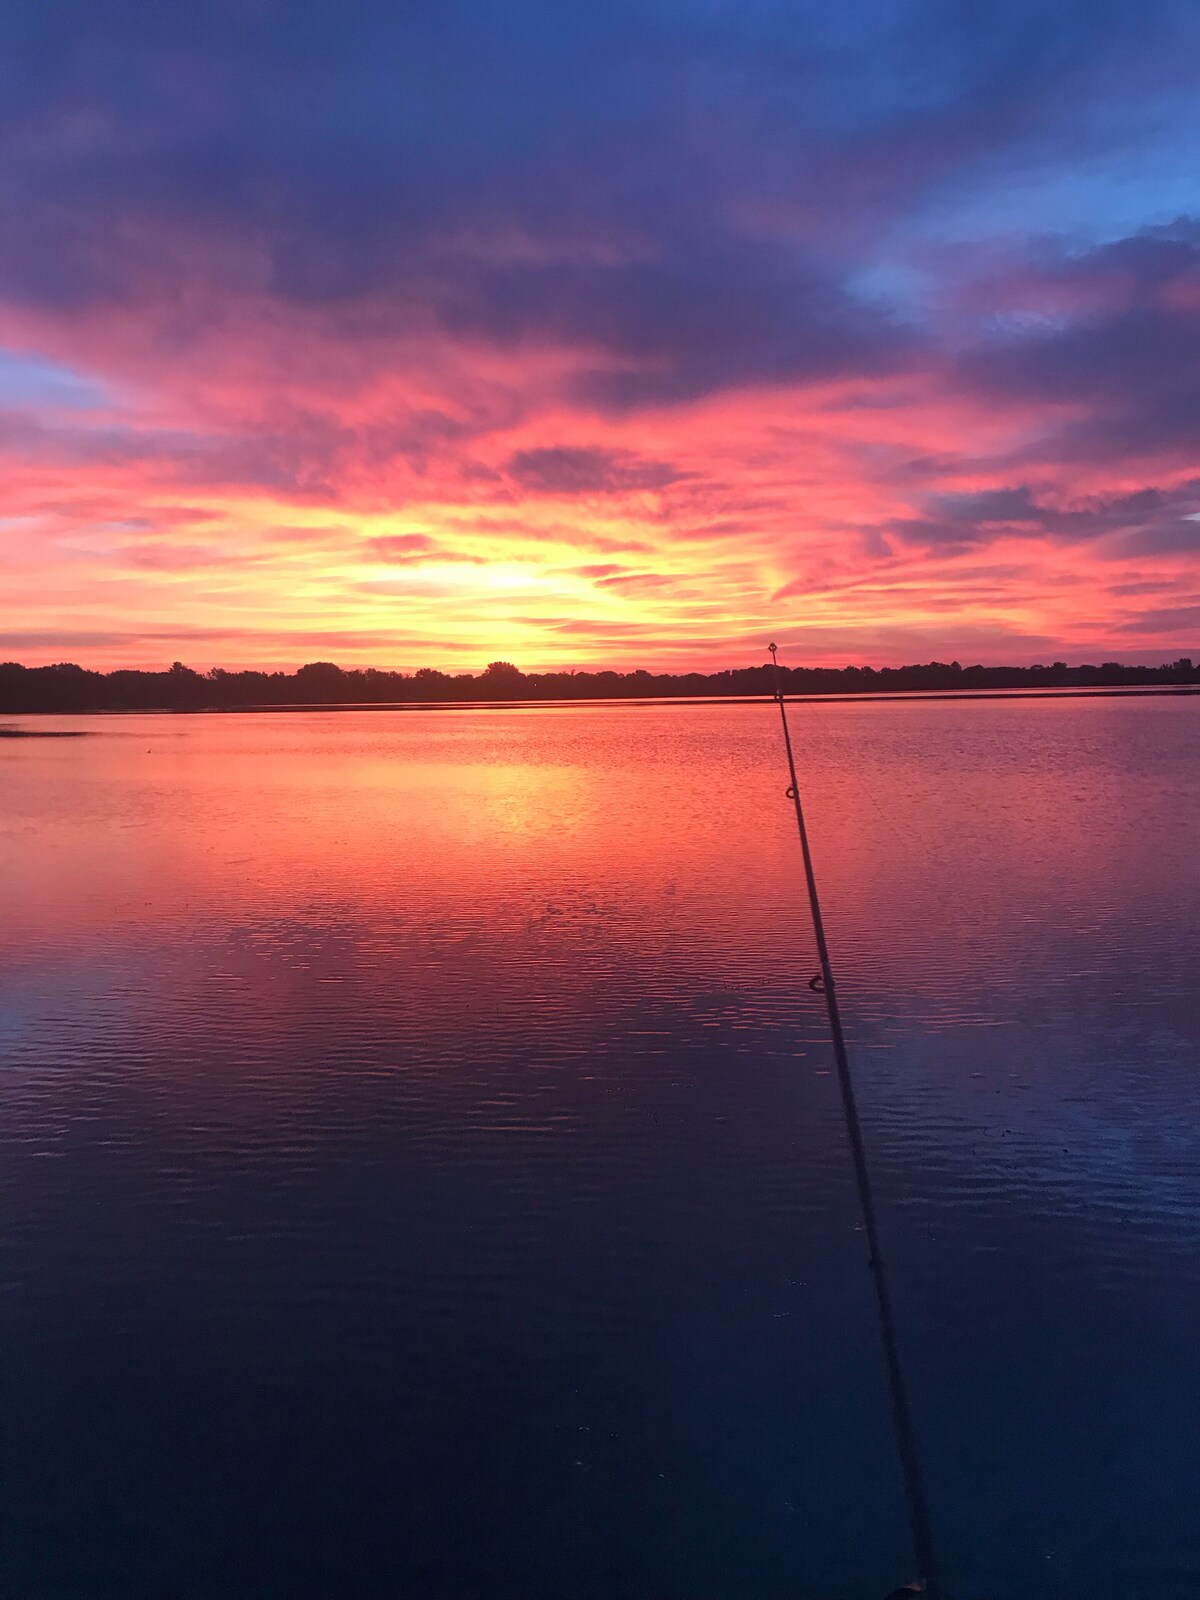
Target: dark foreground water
(422,1174)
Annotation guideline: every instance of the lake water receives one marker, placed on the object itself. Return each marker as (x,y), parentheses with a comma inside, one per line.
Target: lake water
(423,1174)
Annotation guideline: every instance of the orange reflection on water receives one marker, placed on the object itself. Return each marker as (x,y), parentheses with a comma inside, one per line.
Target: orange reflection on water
(652,834)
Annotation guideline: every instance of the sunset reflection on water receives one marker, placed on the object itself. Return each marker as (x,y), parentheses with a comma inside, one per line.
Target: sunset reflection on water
(418,1127)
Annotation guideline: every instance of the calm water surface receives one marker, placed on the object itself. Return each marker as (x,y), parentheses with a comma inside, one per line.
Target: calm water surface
(423,1174)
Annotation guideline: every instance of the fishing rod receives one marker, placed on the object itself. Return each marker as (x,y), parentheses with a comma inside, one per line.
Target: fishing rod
(928,1569)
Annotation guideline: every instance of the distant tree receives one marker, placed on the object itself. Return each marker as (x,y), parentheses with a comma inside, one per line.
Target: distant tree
(321,680)
(501,681)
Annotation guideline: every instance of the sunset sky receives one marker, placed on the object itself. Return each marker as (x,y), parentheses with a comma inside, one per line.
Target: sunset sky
(609,334)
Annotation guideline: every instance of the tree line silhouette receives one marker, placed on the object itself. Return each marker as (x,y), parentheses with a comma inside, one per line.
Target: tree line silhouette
(70,688)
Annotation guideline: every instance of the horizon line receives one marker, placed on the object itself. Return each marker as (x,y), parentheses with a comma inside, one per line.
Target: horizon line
(1164,663)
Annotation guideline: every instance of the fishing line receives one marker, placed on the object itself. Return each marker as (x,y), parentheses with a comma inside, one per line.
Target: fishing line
(928,1569)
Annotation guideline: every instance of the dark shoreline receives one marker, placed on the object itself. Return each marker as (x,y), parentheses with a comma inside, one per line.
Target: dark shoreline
(840,697)
(69,689)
